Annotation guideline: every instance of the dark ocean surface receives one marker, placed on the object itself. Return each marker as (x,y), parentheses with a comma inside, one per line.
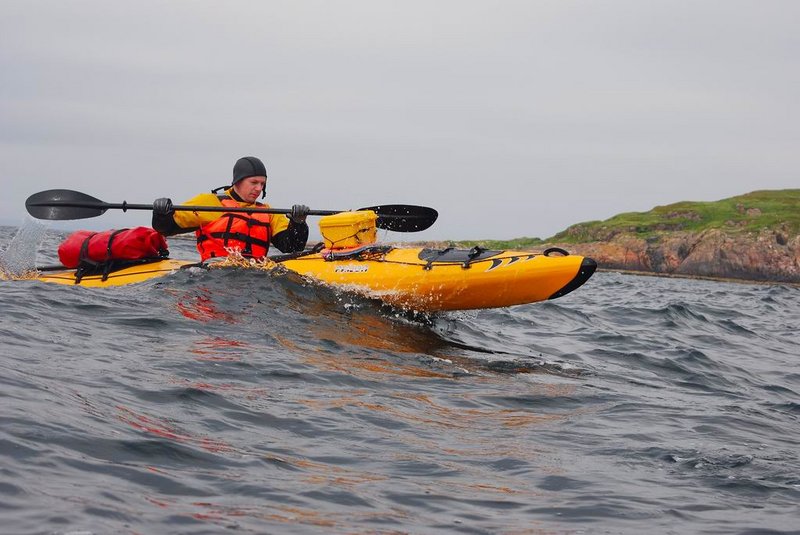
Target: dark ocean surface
(238,401)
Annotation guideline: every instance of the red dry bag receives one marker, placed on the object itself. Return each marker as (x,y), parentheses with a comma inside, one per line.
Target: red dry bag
(86,248)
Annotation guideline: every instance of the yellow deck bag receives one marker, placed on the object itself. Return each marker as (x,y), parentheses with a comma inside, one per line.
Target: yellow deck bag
(346,230)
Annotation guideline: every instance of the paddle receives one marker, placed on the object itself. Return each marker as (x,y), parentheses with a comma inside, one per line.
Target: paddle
(62,204)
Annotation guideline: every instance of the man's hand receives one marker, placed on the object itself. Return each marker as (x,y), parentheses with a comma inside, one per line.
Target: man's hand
(163,207)
(299,213)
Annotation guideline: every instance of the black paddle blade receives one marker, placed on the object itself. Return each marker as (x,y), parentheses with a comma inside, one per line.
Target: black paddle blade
(64,204)
(404,217)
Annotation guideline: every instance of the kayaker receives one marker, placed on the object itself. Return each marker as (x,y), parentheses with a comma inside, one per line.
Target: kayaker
(219,232)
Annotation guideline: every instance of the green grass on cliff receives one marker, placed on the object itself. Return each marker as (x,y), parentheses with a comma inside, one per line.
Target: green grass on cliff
(751,212)
(517,243)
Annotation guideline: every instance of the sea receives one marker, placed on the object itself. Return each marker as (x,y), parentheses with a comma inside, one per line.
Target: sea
(242,401)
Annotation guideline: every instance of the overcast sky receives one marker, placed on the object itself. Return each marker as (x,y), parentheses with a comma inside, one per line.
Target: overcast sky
(512,118)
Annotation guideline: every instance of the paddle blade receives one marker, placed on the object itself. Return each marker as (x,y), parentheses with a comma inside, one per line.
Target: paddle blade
(64,204)
(404,217)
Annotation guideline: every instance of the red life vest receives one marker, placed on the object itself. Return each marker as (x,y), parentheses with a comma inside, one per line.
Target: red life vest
(249,233)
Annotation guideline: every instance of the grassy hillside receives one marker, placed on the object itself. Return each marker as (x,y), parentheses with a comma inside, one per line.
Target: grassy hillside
(516,243)
(744,213)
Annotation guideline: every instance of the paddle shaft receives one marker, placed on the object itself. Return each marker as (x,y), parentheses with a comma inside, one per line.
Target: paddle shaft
(125,206)
(62,204)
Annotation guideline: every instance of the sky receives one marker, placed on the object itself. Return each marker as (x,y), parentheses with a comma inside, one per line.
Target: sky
(511,118)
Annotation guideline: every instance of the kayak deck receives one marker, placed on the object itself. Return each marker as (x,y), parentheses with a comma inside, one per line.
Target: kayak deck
(121,277)
(421,279)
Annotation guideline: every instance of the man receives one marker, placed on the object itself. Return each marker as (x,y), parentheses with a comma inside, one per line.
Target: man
(221,232)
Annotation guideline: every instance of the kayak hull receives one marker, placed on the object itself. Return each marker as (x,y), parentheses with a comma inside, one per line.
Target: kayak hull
(402,279)
(406,278)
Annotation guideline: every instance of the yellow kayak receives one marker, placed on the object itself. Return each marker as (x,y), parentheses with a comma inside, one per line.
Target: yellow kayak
(420,279)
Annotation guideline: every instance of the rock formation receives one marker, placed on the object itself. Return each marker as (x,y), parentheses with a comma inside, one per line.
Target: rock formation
(768,255)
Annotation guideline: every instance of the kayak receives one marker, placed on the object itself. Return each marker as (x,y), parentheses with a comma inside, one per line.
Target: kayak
(422,279)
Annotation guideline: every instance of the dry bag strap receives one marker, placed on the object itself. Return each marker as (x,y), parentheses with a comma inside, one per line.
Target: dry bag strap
(87,265)
(84,263)
(109,262)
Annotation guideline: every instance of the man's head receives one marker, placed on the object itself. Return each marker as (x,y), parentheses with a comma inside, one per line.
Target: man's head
(249,178)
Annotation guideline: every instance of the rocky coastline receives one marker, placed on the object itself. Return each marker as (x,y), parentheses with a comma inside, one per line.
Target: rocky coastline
(769,255)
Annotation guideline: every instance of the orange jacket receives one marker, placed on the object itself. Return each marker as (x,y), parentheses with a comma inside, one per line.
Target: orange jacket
(249,233)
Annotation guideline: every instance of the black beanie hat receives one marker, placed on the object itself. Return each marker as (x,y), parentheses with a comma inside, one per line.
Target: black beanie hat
(246,167)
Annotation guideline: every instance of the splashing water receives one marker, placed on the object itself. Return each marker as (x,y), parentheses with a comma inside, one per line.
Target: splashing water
(19,259)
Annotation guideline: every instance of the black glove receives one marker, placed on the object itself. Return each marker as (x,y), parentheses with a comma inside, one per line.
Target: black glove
(162,207)
(299,213)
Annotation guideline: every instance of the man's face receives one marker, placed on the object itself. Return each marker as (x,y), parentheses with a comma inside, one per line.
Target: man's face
(250,188)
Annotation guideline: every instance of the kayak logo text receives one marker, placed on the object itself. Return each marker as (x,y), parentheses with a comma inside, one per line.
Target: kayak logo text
(351,268)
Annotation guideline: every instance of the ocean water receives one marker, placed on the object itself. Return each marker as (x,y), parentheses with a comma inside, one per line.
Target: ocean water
(244,402)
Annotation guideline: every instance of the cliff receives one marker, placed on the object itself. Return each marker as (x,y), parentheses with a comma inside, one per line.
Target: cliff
(751,237)
(768,255)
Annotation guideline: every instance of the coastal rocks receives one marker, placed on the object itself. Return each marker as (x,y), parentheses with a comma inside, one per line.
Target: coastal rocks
(769,255)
